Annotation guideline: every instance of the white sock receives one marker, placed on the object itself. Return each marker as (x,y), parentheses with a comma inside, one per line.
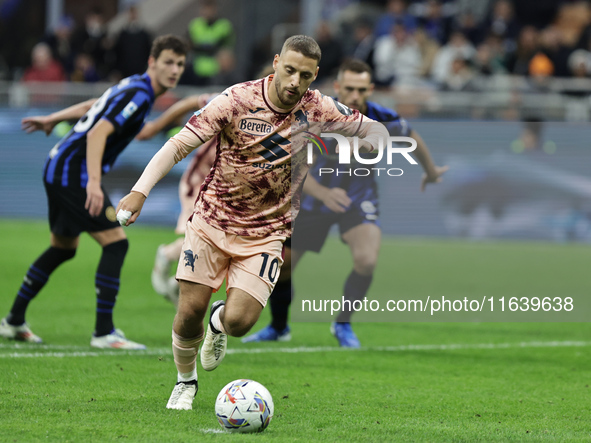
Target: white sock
(187,376)
(216,322)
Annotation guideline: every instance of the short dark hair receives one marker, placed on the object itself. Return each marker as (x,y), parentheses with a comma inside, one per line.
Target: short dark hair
(303,44)
(354,65)
(169,41)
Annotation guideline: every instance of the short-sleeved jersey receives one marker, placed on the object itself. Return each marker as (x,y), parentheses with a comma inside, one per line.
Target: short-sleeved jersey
(125,106)
(249,189)
(356,186)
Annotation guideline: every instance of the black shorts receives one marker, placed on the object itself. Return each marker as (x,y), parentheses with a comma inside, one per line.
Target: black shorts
(67,215)
(311,227)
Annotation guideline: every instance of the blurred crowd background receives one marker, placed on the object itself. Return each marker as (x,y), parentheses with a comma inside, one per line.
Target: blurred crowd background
(419,49)
(499,89)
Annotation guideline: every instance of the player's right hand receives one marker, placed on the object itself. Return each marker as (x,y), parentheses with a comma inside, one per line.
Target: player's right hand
(38,123)
(132,202)
(337,200)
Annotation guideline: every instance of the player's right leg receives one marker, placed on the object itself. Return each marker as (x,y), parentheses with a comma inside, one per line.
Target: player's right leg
(13,326)
(280,301)
(187,334)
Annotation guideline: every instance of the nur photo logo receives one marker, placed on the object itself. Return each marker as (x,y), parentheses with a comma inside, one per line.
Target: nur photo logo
(348,151)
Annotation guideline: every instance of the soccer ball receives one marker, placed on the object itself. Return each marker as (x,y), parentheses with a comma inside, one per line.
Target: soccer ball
(244,406)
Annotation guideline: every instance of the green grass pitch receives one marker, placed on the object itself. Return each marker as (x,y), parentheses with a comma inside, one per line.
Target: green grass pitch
(411,381)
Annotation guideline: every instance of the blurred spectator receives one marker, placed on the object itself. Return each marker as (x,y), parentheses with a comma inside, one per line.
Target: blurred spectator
(571,21)
(541,66)
(84,69)
(92,39)
(227,74)
(132,47)
(579,63)
(60,42)
(553,48)
(486,62)
(428,49)
(467,24)
(457,47)
(43,67)
(208,34)
(363,41)
(517,62)
(332,52)
(460,76)
(397,58)
(502,21)
(436,25)
(396,12)
(541,70)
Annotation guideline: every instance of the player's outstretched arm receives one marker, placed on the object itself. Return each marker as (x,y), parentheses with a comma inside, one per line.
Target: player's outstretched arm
(433,173)
(46,123)
(172,114)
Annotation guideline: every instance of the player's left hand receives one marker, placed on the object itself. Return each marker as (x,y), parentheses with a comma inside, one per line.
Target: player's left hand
(94,198)
(435,177)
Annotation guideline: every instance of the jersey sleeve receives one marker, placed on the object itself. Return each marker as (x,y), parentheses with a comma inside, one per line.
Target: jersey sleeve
(340,118)
(126,105)
(213,117)
(397,126)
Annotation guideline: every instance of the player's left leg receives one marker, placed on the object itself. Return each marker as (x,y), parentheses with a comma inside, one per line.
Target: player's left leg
(364,242)
(115,245)
(233,317)
(253,272)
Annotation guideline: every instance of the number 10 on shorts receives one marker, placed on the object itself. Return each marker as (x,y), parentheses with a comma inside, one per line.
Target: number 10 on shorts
(272,270)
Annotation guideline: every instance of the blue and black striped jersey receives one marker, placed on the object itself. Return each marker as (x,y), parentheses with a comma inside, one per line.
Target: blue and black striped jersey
(125,106)
(354,185)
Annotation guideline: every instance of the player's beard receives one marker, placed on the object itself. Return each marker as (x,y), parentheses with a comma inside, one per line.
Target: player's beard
(284,98)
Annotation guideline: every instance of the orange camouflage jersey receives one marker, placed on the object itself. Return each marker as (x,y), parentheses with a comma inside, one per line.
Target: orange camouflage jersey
(248,191)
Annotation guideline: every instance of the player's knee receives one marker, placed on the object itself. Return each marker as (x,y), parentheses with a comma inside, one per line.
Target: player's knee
(365,263)
(118,248)
(238,325)
(63,255)
(191,312)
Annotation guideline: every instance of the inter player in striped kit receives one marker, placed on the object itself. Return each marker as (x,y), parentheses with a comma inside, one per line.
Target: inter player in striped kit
(243,213)
(351,202)
(77,201)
